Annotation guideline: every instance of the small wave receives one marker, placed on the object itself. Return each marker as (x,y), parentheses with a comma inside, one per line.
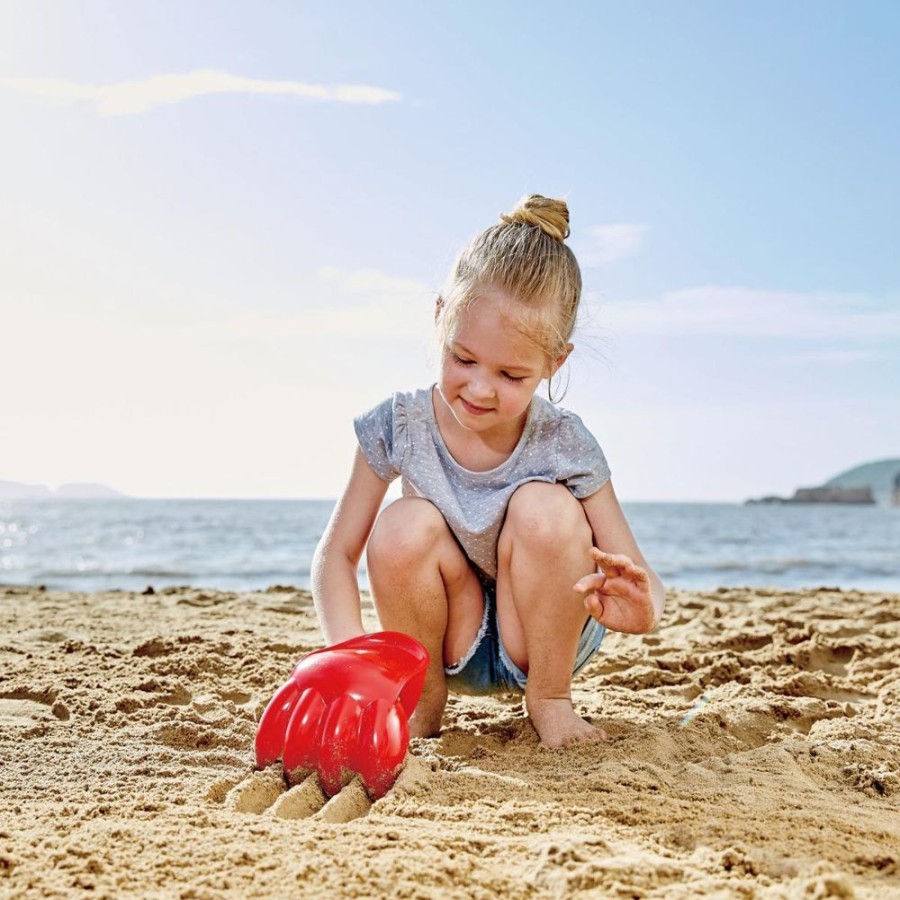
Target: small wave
(92,571)
(768,566)
(208,578)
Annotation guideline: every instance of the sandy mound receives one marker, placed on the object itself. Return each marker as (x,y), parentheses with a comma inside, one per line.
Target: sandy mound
(754,753)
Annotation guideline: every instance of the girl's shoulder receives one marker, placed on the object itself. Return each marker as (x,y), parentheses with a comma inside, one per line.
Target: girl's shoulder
(573,453)
(383,432)
(388,422)
(400,406)
(547,417)
(413,404)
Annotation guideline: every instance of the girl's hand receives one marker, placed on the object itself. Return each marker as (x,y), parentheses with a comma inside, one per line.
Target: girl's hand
(619,596)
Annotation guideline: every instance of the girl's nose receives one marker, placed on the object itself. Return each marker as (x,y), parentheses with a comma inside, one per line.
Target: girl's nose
(480,387)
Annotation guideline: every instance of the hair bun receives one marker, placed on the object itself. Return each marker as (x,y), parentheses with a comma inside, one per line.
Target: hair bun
(551,216)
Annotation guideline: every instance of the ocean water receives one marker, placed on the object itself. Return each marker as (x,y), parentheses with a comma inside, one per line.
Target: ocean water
(90,545)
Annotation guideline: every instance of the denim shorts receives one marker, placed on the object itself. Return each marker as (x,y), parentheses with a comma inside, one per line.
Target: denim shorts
(486,668)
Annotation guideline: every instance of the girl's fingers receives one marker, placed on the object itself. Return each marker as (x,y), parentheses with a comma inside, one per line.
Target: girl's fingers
(595,582)
(619,565)
(593,605)
(611,559)
(601,585)
(628,589)
(611,563)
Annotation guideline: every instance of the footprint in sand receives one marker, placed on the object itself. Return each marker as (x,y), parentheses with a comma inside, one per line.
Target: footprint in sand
(224,720)
(823,658)
(33,713)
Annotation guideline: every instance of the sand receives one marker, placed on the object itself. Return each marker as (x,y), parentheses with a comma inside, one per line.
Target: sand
(753,753)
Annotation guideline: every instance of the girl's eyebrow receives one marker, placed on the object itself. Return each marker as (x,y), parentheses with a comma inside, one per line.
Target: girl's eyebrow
(456,345)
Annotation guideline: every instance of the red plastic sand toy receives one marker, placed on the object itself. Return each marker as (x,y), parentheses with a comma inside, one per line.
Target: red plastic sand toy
(344,710)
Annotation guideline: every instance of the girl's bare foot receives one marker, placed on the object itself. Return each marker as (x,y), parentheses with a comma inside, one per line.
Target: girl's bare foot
(420,728)
(558,725)
(426,721)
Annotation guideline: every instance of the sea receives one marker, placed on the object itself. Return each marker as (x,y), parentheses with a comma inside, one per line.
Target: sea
(239,545)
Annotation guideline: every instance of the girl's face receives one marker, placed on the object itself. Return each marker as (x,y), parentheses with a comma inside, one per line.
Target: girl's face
(490,369)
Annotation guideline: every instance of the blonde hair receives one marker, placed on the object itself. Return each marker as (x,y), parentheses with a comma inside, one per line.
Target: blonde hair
(524,257)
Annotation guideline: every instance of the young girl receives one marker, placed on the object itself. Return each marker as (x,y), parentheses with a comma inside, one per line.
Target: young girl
(491,556)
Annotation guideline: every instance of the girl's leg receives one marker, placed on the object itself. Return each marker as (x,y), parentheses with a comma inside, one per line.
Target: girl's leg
(422,584)
(543,550)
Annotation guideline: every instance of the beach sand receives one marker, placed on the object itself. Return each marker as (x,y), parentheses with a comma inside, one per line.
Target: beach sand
(753,753)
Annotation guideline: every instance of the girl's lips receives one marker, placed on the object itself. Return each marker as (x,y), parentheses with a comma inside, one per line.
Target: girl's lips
(474,410)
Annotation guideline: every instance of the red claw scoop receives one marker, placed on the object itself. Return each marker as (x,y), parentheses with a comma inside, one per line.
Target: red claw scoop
(346,709)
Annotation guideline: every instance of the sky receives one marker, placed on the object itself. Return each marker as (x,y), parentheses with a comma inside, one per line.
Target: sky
(223,227)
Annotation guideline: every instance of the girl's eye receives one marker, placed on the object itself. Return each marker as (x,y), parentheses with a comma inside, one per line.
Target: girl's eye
(459,360)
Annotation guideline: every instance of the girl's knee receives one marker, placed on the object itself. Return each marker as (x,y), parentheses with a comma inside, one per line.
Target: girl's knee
(405,532)
(544,515)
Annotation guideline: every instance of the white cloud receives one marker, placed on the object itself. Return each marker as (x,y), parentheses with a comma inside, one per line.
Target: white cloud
(130,97)
(371,281)
(744,312)
(827,358)
(610,243)
(382,305)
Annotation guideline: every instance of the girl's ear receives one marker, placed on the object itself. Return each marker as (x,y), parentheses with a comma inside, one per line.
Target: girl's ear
(560,360)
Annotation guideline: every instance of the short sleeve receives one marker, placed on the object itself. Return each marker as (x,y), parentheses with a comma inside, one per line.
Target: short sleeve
(375,431)
(581,464)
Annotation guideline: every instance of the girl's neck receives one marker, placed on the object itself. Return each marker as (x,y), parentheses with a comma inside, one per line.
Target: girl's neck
(477,451)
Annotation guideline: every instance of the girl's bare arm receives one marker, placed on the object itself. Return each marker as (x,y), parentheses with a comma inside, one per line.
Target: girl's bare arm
(334,581)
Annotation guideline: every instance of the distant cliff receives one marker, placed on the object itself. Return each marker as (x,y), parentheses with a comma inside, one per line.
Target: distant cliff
(824,495)
(881,476)
(872,483)
(833,495)
(17,490)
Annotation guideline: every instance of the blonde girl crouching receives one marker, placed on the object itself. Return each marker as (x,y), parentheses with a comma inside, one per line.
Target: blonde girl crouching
(508,555)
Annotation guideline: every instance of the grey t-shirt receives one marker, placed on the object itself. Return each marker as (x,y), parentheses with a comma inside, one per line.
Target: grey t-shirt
(400,437)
